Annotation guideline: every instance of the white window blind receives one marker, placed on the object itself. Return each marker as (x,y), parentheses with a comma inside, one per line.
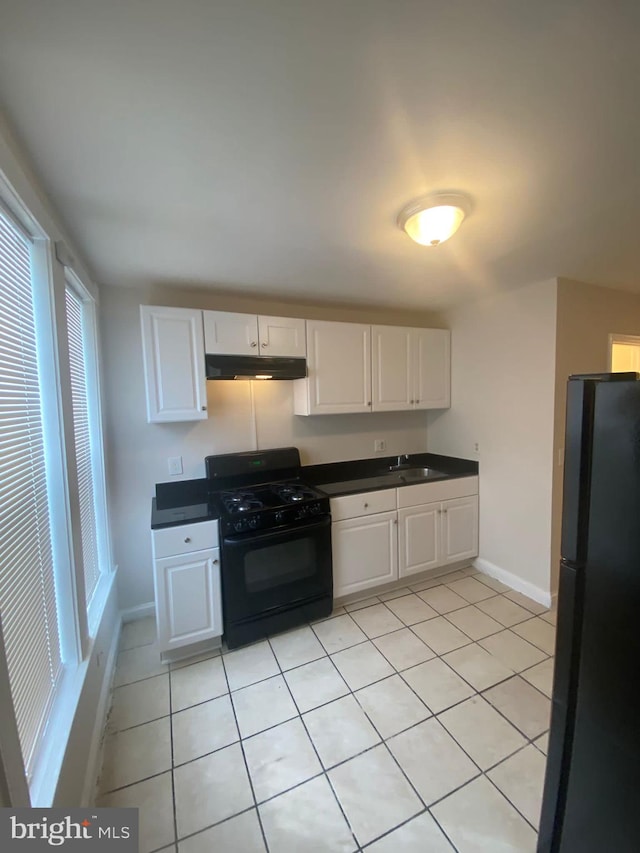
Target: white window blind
(27,588)
(83,441)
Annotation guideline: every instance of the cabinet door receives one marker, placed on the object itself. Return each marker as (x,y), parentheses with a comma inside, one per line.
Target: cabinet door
(188,598)
(339,366)
(230,334)
(174,368)
(364,552)
(283,336)
(419,539)
(391,374)
(459,529)
(432,368)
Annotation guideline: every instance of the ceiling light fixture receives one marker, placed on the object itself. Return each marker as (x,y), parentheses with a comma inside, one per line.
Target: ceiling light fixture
(434,218)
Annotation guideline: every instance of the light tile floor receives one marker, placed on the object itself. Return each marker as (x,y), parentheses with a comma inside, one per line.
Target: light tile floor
(414,721)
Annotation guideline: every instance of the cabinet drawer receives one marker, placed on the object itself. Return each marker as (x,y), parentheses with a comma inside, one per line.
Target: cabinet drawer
(443,490)
(171,541)
(368,503)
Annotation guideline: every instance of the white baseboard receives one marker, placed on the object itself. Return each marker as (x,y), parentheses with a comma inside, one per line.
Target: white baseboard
(140,611)
(525,587)
(102,711)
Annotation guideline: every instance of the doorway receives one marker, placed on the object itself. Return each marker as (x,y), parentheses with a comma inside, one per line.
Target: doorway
(624,353)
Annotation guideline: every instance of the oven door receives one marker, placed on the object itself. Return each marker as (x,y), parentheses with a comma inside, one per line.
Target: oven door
(266,572)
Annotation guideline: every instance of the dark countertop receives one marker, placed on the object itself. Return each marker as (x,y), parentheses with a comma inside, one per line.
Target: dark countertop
(183,502)
(187,501)
(184,514)
(364,475)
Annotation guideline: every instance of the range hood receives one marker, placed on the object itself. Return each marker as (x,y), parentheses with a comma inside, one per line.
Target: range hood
(254,367)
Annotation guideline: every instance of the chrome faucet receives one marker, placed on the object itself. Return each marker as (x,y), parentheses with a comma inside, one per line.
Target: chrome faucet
(400,463)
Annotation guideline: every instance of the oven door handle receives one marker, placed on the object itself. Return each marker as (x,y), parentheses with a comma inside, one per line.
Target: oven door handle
(269,536)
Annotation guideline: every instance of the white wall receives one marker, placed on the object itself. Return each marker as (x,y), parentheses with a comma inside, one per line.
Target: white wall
(503,379)
(587,315)
(138,451)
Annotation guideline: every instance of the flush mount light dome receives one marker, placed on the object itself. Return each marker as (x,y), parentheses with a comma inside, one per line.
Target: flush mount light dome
(434,218)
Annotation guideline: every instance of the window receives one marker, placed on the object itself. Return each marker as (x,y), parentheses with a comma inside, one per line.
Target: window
(27,584)
(76,309)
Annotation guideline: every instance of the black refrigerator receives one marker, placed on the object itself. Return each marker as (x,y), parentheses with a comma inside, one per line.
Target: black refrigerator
(591,801)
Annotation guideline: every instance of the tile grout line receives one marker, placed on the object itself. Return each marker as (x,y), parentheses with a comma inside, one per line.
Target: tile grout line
(311,741)
(500,791)
(173,781)
(383,741)
(397,672)
(244,758)
(350,691)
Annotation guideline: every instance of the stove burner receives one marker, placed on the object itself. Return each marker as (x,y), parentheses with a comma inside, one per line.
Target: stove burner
(237,497)
(241,501)
(293,492)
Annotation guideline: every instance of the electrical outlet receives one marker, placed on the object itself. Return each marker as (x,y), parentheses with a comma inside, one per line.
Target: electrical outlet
(476,447)
(379,445)
(175,465)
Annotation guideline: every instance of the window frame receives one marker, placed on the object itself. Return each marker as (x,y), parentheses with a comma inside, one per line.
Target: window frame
(96,427)
(77,627)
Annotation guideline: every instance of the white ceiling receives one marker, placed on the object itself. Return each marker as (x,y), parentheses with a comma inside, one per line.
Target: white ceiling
(266,146)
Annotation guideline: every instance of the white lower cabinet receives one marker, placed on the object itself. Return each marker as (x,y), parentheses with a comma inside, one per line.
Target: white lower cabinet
(459,529)
(364,537)
(381,536)
(365,552)
(419,539)
(435,534)
(187,585)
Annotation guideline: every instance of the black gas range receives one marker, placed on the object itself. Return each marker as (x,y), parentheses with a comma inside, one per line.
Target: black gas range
(269,506)
(275,543)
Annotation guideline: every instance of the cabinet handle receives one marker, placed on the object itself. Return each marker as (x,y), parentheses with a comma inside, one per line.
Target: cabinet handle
(439,512)
(395,520)
(444,510)
(187,539)
(214,562)
(369,403)
(366,506)
(204,408)
(412,402)
(265,344)
(254,344)
(417,401)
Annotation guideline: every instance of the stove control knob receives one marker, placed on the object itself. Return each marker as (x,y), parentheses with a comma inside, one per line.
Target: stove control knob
(238,526)
(302,512)
(315,509)
(279,516)
(253,522)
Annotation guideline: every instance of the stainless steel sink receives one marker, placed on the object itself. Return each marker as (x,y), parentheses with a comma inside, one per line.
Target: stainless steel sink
(420,473)
(408,474)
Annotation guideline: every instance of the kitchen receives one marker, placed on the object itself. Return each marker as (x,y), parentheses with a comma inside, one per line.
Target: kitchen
(301,224)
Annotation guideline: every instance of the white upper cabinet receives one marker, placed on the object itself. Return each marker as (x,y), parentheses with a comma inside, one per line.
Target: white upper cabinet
(410,368)
(247,334)
(339,370)
(282,336)
(230,334)
(391,368)
(432,368)
(174,366)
